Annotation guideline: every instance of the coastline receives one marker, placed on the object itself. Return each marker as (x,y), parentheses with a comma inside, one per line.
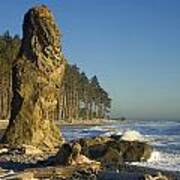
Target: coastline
(147,170)
(93,122)
(127,170)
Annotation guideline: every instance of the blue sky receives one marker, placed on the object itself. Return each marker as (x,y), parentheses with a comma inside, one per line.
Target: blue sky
(133,46)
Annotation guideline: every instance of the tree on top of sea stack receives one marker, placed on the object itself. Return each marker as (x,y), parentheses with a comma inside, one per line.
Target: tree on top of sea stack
(37,78)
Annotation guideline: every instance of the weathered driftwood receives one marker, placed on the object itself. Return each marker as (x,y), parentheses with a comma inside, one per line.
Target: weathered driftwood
(64,171)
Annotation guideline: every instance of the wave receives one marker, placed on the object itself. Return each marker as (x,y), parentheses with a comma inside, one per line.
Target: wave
(132,135)
(162,161)
(164,137)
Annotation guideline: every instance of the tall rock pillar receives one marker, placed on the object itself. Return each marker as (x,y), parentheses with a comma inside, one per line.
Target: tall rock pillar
(37,77)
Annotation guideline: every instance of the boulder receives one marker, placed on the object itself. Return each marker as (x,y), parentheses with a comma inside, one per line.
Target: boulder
(112,158)
(37,76)
(70,154)
(76,150)
(64,155)
(94,147)
(110,150)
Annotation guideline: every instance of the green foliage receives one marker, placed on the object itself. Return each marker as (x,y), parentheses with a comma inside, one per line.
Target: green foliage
(83,98)
(80,97)
(9,47)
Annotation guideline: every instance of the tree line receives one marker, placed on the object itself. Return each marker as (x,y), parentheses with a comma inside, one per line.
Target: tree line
(80,97)
(9,47)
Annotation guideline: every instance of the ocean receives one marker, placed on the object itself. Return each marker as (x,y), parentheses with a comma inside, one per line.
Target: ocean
(164,136)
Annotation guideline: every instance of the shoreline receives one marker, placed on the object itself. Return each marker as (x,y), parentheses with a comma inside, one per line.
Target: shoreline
(41,170)
(129,172)
(93,122)
(149,170)
(126,169)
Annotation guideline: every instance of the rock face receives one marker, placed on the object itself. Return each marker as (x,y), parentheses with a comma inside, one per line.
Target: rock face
(109,151)
(37,77)
(113,151)
(70,154)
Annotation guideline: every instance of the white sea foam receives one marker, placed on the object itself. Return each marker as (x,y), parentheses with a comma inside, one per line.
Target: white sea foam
(96,128)
(155,156)
(164,137)
(162,160)
(132,135)
(108,134)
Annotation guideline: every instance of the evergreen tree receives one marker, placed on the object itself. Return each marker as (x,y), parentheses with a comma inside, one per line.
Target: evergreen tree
(80,98)
(9,47)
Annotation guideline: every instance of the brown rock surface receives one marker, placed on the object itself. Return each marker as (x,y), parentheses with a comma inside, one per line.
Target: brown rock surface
(37,78)
(114,151)
(70,154)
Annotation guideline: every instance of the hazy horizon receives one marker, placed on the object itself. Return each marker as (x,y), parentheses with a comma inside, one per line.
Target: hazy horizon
(133,47)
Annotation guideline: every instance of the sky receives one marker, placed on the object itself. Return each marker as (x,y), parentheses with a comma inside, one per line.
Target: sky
(133,46)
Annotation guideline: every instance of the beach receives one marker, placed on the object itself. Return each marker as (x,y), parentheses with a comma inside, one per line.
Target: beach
(170,167)
(164,137)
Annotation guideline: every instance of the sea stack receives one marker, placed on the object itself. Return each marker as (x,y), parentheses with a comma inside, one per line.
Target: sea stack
(37,78)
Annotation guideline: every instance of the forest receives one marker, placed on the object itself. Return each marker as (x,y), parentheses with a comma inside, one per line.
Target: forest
(81,97)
